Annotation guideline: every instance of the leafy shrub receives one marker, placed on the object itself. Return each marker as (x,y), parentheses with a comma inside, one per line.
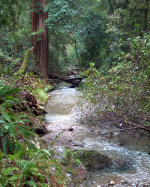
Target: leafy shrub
(124,89)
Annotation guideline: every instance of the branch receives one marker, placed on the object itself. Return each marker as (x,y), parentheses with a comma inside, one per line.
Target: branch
(139,126)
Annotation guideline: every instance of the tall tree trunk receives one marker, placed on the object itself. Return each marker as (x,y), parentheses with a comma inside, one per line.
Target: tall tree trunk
(40,40)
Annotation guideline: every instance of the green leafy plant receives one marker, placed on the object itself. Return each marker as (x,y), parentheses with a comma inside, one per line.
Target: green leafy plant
(22,164)
(124,89)
(13,131)
(32,168)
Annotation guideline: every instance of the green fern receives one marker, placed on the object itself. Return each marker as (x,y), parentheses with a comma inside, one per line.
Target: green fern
(13,127)
(21,163)
(5,91)
(30,168)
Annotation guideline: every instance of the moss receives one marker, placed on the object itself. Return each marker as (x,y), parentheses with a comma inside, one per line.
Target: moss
(93,159)
(24,65)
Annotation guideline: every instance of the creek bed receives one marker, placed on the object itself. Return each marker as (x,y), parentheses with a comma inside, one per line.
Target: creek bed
(130,162)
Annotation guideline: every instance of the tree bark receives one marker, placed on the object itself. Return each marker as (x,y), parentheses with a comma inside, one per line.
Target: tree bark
(40,39)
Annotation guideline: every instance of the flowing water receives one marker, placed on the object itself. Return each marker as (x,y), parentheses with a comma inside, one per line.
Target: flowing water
(131,162)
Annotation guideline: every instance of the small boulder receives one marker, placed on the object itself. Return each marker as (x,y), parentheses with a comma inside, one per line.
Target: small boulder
(112,183)
(93,159)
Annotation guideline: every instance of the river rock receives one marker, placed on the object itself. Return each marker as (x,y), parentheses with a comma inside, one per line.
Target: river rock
(112,183)
(93,159)
(124,182)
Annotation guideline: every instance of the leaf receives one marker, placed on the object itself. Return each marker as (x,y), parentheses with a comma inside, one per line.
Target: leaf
(31,183)
(14,178)
(10,170)
(5,144)
(1,155)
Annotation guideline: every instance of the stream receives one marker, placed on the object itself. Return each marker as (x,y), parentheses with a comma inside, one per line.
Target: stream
(130,161)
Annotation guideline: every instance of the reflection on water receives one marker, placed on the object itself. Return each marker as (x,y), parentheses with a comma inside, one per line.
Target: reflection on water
(130,163)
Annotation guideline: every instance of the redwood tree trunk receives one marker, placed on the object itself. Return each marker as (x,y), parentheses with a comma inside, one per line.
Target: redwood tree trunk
(40,41)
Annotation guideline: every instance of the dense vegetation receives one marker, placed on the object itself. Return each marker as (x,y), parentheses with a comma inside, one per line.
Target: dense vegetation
(108,40)
(119,89)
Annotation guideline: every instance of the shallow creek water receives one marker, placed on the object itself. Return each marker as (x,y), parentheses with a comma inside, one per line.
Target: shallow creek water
(131,162)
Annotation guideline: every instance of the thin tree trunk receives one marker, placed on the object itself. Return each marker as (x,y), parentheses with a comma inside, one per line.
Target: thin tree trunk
(146,15)
(40,40)
(111,7)
(76,50)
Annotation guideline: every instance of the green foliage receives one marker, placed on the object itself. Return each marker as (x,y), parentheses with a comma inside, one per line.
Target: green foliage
(121,87)
(59,12)
(113,35)
(6,91)
(12,126)
(59,23)
(70,157)
(124,90)
(84,31)
(14,37)
(32,168)
(92,35)
(37,86)
(22,164)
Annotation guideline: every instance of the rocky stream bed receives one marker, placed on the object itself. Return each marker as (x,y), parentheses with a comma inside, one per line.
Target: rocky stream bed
(107,161)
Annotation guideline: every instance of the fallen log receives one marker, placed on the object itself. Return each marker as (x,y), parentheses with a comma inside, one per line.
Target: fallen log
(73,80)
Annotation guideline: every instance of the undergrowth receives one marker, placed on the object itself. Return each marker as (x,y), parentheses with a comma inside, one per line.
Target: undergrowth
(36,86)
(21,162)
(123,90)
